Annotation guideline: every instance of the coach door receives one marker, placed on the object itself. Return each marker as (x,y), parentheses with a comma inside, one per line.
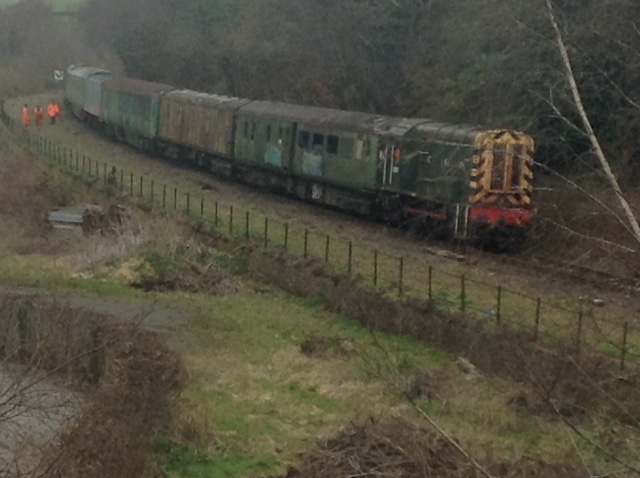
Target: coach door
(389,156)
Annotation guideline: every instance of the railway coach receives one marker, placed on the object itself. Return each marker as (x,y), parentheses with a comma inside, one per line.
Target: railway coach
(471,182)
(83,91)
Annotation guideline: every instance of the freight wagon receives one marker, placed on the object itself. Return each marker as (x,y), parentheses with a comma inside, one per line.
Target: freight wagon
(474,182)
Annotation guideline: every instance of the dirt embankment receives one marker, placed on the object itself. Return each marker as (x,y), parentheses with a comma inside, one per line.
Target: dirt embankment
(569,382)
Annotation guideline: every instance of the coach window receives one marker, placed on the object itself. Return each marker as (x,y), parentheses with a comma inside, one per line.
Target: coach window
(318,142)
(253,131)
(332,144)
(268,133)
(303,140)
(246,129)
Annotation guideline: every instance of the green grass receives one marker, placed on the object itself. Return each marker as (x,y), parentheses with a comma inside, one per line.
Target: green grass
(44,272)
(180,460)
(253,389)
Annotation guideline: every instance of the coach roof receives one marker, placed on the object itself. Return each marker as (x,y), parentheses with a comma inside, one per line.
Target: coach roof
(208,100)
(312,115)
(85,71)
(140,87)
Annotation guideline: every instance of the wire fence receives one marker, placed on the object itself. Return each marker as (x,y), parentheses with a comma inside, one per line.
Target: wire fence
(583,330)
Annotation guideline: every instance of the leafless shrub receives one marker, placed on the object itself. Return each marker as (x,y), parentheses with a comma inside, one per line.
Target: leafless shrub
(131,375)
(395,448)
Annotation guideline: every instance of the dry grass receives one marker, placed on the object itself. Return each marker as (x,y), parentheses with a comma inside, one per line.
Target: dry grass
(399,448)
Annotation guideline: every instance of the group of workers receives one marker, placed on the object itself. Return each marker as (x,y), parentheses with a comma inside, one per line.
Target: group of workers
(53,110)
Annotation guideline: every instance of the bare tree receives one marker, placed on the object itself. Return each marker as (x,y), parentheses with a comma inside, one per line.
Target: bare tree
(631,224)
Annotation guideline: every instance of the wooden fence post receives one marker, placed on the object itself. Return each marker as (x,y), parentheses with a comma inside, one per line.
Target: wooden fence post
(375,268)
(623,350)
(579,332)
(266,231)
(463,294)
(326,249)
(499,305)
(286,236)
(536,332)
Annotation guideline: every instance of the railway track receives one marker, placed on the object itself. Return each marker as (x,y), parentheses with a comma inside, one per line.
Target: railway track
(579,274)
(541,265)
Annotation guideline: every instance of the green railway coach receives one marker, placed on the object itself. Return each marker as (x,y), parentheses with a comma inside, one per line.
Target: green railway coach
(131,109)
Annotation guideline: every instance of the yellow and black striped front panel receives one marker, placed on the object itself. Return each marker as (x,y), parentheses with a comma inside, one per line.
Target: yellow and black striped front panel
(502,169)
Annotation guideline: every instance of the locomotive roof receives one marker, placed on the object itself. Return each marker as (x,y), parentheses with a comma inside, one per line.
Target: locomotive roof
(205,99)
(136,86)
(86,71)
(364,122)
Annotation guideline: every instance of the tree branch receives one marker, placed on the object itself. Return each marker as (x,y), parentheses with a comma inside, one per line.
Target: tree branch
(606,167)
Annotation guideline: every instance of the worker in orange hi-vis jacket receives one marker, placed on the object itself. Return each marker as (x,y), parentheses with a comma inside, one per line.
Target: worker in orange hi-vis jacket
(26,119)
(38,114)
(54,110)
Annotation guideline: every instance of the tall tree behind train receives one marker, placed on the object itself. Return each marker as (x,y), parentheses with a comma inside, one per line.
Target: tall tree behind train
(492,64)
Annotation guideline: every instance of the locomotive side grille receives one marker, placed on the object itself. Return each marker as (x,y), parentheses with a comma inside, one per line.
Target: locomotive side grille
(516,168)
(499,168)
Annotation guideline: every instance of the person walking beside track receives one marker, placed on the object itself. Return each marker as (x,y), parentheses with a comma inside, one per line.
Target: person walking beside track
(38,114)
(54,110)
(26,119)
